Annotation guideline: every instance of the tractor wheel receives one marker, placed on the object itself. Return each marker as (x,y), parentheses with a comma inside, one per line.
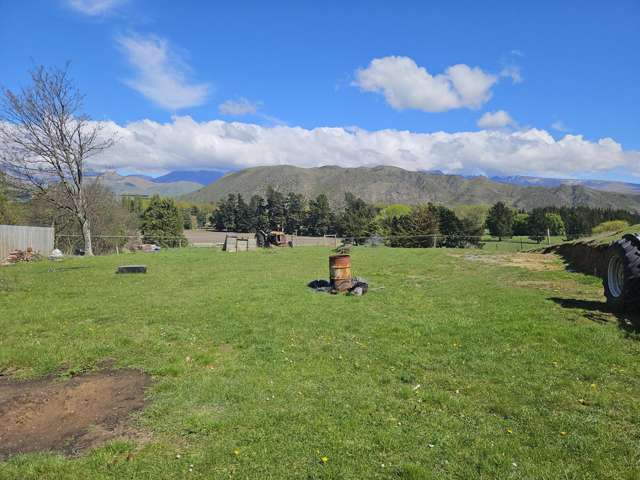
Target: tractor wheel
(622,276)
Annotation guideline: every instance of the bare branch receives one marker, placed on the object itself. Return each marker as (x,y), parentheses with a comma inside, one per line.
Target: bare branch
(45,140)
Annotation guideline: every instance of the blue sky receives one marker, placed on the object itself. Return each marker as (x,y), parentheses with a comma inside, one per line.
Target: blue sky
(213,85)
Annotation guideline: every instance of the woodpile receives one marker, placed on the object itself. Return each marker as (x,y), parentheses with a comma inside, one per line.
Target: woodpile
(16,256)
(148,247)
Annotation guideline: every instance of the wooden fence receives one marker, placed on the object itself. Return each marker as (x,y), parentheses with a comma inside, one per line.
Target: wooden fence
(13,237)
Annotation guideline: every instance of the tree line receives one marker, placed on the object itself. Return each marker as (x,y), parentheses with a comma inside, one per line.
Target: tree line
(571,222)
(356,219)
(403,225)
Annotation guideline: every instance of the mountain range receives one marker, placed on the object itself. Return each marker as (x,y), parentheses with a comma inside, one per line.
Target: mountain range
(144,185)
(379,185)
(385,184)
(604,185)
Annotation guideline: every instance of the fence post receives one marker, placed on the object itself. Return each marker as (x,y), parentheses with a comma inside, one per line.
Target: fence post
(548,237)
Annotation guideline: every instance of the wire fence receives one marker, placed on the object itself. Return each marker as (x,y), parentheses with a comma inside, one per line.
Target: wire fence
(106,244)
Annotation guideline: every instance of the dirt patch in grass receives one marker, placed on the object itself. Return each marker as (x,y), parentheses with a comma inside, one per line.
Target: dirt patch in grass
(70,416)
(534,262)
(559,286)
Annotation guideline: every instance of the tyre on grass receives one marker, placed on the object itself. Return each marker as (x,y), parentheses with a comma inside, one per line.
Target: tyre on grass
(622,275)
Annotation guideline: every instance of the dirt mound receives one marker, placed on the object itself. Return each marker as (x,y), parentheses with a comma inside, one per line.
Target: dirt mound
(68,417)
(585,257)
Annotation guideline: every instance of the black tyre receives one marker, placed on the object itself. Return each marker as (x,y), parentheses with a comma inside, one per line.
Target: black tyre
(622,276)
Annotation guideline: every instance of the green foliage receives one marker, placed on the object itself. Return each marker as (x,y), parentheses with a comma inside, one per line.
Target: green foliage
(276,208)
(610,226)
(224,217)
(10,211)
(385,216)
(555,224)
(521,224)
(243,216)
(259,213)
(417,229)
(162,223)
(460,226)
(500,221)
(320,220)
(112,224)
(537,225)
(355,221)
(134,204)
(474,216)
(295,206)
(579,221)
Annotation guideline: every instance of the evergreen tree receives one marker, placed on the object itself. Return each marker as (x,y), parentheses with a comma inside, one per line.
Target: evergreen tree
(295,212)
(500,221)
(537,225)
(520,221)
(356,218)
(225,216)
(185,213)
(259,214)
(320,218)
(276,209)
(418,229)
(243,216)
(162,223)
(451,228)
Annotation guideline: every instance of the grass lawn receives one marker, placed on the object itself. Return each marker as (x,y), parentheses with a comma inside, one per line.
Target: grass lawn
(517,243)
(466,365)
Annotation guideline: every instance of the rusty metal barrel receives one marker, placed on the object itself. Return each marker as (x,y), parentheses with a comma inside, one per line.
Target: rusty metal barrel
(340,272)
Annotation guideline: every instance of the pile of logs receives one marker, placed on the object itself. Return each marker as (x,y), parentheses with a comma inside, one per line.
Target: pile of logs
(27,255)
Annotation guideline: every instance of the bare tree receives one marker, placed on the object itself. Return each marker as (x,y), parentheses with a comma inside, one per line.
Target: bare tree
(46,140)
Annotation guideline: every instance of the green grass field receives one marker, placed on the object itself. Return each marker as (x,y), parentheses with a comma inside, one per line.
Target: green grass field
(517,243)
(465,365)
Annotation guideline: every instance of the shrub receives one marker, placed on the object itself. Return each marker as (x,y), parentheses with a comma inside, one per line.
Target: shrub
(610,226)
(162,223)
(500,221)
(555,224)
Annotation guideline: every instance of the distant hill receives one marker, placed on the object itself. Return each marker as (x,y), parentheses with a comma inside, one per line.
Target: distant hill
(603,185)
(143,185)
(385,184)
(203,177)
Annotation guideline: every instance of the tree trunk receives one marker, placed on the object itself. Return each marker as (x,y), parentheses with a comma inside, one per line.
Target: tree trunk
(86,234)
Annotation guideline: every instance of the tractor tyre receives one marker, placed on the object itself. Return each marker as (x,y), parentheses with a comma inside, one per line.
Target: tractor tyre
(622,275)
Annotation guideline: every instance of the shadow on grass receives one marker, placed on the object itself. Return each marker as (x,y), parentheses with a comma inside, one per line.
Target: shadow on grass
(598,311)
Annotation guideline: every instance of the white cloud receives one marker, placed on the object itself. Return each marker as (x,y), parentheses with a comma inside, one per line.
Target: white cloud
(94,7)
(239,107)
(161,75)
(406,85)
(510,68)
(499,119)
(514,72)
(184,143)
(559,126)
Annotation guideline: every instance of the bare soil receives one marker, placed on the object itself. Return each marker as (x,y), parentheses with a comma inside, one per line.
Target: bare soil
(534,262)
(69,416)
